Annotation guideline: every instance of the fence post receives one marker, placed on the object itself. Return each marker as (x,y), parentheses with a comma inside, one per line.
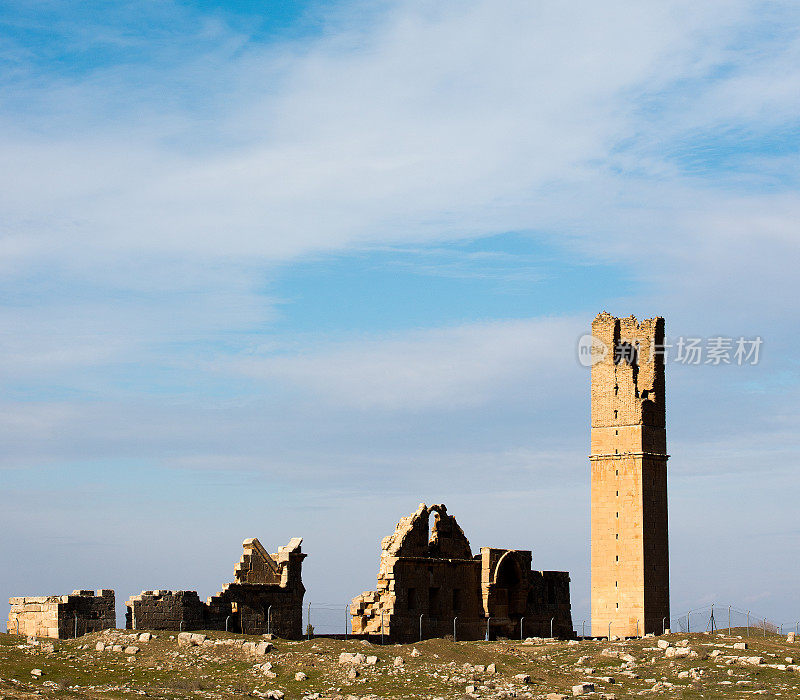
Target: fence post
(748,623)
(76,625)
(228,619)
(583,629)
(488,622)
(765,628)
(521,621)
(729,620)
(609,631)
(455,619)
(688,624)
(663,625)
(551,627)
(346,612)
(420,626)
(269,619)
(308,627)
(381,627)
(637,626)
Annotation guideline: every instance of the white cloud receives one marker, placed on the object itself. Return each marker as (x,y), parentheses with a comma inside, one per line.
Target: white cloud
(448,368)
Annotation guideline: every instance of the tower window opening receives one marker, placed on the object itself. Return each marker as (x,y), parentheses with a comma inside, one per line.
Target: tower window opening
(616,389)
(616,536)
(617,557)
(617,513)
(615,414)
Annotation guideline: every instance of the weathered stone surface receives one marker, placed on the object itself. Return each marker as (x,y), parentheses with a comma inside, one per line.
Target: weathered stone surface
(60,617)
(430,585)
(630,563)
(266,596)
(582,689)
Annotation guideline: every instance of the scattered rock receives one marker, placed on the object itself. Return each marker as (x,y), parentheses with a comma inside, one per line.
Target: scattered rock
(355,659)
(491,669)
(300,676)
(582,689)
(131,650)
(37,672)
(398,661)
(663,644)
(145,637)
(372,661)
(523,678)
(740,645)
(262,648)
(415,652)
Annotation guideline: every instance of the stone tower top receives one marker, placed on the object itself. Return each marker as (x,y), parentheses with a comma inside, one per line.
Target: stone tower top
(628,380)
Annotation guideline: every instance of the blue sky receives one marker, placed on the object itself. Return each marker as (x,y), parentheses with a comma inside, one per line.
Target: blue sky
(290,268)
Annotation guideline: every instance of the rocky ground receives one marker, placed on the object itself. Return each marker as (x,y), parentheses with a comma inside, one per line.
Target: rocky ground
(120,664)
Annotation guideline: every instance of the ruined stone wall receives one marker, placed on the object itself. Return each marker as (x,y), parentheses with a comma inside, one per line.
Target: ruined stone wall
(60,616)
(166,610)
(266,596)
(630,560)
(433,576)
(520,601)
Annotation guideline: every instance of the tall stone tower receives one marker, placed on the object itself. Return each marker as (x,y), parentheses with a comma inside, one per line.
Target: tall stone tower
(630,553)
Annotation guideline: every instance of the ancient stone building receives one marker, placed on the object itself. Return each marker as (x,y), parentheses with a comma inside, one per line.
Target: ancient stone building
(429,579)
(266,596)
(630,558)
(64,616)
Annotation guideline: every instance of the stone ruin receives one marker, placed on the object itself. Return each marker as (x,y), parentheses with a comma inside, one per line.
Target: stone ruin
(429,580)
(64,616)
(266,596)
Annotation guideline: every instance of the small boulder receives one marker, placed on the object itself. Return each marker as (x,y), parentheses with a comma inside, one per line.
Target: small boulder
(262,648)
(582,689)
(491,669)
(37,672)
(372,661)
(145,637)
(398,661)
(523,678)
(300,676)
(663,644)
(415,652)
(131,650)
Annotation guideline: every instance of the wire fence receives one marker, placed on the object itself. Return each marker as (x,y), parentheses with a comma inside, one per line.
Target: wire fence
(714,617)
(333,619)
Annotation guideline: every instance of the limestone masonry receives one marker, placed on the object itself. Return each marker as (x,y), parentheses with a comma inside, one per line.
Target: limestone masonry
(434,576)
(62,617)
(266,596)
(630,554)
